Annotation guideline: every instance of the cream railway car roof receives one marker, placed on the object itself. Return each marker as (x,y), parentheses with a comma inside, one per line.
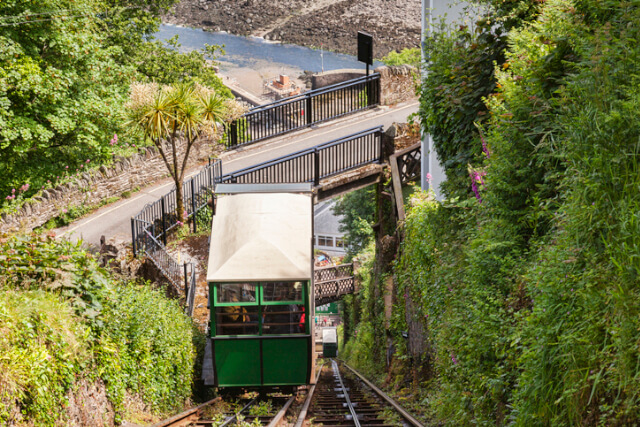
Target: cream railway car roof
(261,236)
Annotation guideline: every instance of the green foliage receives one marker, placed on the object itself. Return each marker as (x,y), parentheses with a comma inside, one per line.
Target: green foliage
(61,91)
(529,290)
(128,24)
(357,351)
(43,349)
(146,349)
(357,209)
(405,56)
(510,14)
(32,262)
(360,318)
(461,66)
(64,79)
(165,64)
(62,319)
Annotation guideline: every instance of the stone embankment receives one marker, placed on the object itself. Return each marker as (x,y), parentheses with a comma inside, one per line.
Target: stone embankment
(395,24)
(93,187)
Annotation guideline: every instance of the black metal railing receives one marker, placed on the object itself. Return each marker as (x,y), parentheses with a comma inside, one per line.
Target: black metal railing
(162,214)
(156,251)
(300,111)
(316,163)
(170,269)
(332,283)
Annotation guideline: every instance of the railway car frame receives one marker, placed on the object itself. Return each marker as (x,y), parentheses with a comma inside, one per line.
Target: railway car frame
(261,291)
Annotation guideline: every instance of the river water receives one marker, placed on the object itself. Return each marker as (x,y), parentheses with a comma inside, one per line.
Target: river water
(257,54)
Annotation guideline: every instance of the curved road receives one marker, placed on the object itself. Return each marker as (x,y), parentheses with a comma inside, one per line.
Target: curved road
(114,220)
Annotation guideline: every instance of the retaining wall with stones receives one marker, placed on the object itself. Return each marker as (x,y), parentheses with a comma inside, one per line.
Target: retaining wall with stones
(397,84)
(92,187)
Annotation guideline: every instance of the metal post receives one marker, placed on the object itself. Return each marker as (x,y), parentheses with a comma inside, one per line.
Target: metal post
(233,133)
(307,111)
(316,167)
(133,236)
(380,136)
(186,282)
(193,203)
(164,222)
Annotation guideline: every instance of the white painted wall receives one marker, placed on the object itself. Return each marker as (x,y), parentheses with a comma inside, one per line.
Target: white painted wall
(432,11)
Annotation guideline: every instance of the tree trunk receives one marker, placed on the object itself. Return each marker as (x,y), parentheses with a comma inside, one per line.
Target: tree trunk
(179,201)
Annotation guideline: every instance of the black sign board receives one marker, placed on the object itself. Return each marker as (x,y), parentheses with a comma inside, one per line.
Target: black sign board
(365,48)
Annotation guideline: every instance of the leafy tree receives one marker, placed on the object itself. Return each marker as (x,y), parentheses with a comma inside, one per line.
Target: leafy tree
(61,90)
(129,24)
(461,67)
(165,64)
(174,113)
(405,56)
(357,209)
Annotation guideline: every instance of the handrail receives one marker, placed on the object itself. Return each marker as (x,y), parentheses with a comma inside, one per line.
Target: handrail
(325,89)
(317,150)
(304,110)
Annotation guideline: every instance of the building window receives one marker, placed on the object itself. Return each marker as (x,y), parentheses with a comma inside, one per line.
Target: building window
(339,242)
(325,241)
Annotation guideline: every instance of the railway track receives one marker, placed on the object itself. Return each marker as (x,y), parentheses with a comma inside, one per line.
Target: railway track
(345,401)
(336,400)
(203,415)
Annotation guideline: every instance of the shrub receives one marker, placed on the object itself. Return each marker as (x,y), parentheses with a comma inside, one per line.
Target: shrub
(146,348)
(43,349)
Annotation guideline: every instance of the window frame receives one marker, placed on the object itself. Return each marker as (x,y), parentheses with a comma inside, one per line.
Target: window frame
(259,302)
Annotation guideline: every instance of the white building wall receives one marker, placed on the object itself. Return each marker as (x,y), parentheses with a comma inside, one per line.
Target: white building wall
(453,11)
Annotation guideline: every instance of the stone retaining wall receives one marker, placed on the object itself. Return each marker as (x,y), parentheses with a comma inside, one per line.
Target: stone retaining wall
(397,84)
(92,187)
(329,78)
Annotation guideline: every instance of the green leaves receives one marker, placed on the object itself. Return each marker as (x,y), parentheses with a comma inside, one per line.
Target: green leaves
(64,320)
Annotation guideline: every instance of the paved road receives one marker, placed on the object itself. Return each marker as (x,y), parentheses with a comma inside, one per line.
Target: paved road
(114,220)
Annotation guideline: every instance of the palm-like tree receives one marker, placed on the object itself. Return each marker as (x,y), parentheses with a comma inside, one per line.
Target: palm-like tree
(171,113)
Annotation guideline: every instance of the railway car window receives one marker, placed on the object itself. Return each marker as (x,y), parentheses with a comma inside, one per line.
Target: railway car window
(283,319)
(237,320)
(236,292)
(282,291)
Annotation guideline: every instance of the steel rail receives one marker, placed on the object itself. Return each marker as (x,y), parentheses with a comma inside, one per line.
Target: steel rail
(274,422)
(407,416)
(185,418)
(305,408)
(356,421)
(233,417)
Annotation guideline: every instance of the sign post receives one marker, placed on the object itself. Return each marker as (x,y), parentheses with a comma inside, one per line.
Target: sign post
(365,54)
(365,49)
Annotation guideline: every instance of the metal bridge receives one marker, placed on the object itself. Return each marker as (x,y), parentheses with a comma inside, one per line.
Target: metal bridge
(332,283)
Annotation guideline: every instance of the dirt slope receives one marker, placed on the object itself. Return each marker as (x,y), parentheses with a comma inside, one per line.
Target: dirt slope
(395,24)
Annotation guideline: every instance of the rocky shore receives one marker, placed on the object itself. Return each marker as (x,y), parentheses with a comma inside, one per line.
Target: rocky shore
(394,24)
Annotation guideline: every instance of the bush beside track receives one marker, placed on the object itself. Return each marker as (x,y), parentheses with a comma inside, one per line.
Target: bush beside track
(66,322)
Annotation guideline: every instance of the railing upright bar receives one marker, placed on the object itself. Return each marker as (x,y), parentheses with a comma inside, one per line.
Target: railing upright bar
(186,283)
(164,221)
(193,204)
(134,236)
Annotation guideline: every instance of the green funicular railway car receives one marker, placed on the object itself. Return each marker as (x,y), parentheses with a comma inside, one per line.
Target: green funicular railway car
(260,277)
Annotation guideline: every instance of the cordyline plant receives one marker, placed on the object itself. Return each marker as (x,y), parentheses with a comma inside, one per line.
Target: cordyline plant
(178,112)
